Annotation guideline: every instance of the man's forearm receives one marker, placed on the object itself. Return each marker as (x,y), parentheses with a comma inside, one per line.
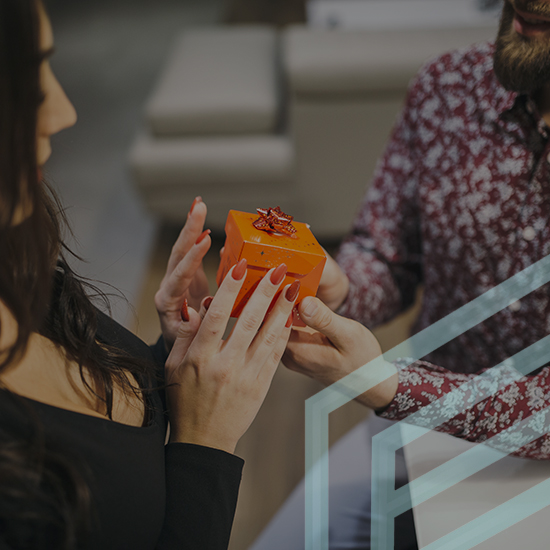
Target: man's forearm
(477,417)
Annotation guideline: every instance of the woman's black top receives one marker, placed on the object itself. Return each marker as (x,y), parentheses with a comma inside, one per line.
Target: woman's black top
(145,495)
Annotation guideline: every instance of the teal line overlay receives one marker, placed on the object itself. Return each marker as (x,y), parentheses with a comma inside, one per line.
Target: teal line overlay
(496,520)
(322,404)
(467,463)
(389,503)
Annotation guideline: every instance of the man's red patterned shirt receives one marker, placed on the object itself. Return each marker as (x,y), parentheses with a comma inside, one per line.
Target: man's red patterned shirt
(460,202)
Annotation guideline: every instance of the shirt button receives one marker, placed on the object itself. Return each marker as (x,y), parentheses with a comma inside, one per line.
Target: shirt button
(528,233)
(515,306)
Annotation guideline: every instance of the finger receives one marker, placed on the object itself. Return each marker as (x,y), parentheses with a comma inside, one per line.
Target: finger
(205,304)
(186,333)
(189,234)
(256,308)
(222,250)
(279,318)
(216,318)
(198,288)
(296,320)
(320,317)
(181,278)
(306,341)
(304,346)
(275,356)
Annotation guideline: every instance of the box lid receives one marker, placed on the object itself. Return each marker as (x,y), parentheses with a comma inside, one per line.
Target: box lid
(301,251)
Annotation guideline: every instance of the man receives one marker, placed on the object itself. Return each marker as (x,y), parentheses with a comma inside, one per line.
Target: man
(460,202)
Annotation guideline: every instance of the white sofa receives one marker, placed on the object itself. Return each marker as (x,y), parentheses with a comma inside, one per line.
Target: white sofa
(251,116)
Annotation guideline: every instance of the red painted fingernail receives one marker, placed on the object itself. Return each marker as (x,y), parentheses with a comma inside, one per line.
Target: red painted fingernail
(292,291)
(278,275)
(240,270)
(207,302)
(203,235)
(288,321)
(185,311)
(195,202)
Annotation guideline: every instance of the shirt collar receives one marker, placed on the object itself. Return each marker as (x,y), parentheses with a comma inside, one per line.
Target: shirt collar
(505,100)
(509,101)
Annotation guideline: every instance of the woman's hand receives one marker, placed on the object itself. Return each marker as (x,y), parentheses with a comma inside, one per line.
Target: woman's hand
(219,386)
(184,278)
(334,348)
(334,285)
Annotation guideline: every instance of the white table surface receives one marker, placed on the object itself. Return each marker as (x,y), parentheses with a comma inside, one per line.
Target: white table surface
(476,495)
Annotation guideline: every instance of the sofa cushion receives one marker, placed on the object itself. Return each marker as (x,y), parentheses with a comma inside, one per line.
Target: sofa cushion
(159,163)
(239,172)
(337,61)
(219,80)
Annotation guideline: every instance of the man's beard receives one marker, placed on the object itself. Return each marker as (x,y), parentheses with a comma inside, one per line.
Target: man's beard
(522,64)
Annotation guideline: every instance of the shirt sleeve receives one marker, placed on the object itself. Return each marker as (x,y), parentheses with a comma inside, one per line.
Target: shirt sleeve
(202,486)
(477,407)
(381,256)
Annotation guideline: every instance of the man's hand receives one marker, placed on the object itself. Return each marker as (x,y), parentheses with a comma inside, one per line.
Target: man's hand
(184,278)
(333,347)
(334,285)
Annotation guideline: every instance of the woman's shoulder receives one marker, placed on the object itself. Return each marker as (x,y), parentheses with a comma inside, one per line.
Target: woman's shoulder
(112,333)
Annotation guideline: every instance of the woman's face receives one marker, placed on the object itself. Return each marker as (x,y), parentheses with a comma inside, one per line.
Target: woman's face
(56,112)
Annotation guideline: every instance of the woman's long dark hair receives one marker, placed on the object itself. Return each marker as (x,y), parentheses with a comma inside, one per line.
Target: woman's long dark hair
(40,485)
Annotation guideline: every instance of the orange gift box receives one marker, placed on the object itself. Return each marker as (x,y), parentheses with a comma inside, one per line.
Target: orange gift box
(264,250)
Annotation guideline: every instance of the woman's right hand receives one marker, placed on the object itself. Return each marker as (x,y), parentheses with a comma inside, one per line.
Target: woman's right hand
(219,385)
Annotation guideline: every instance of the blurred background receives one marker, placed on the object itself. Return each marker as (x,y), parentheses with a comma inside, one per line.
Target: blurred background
(248,103)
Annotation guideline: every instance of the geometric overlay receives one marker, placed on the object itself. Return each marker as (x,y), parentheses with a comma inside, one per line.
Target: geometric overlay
(387,502)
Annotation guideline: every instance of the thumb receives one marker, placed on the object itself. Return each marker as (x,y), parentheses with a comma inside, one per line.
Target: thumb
(185,336)
(320,317)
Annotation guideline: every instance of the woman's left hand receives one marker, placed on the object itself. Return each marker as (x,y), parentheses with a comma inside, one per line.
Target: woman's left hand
(185,277)
(336,347)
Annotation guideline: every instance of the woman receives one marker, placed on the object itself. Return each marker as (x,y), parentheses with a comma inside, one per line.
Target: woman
(82,426)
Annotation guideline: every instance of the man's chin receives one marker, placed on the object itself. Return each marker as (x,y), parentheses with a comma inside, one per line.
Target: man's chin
(521,63)
(521,60)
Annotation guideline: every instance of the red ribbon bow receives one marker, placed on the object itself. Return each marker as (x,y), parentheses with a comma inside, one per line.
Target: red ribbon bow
(274,219)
